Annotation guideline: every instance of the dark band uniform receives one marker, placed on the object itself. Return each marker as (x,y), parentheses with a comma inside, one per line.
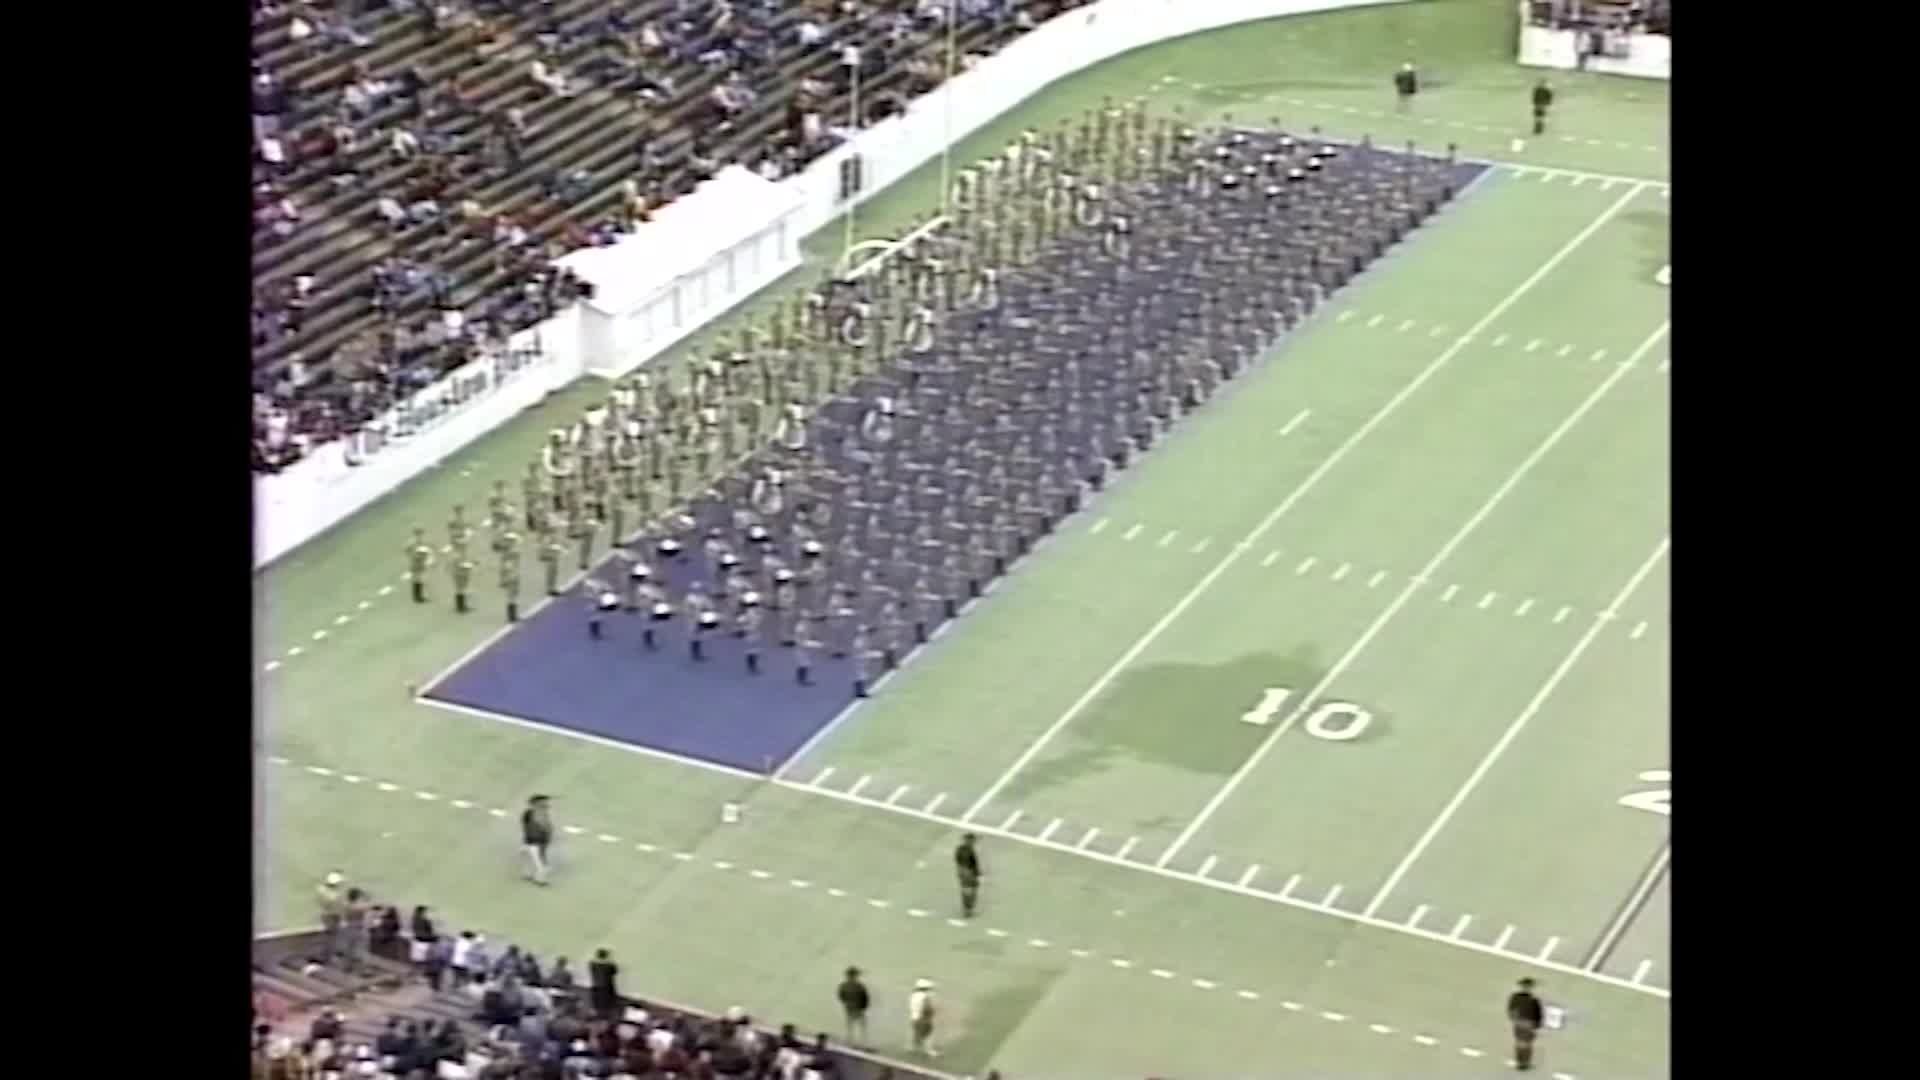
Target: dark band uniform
(536,832)
(966,864)
(1527,1014)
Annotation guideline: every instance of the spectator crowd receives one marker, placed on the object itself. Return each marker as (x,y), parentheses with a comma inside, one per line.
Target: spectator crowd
(1608,16)
(515,1016)
(419,165)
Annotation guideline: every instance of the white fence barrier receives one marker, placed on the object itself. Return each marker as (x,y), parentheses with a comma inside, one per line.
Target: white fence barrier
(1643,56)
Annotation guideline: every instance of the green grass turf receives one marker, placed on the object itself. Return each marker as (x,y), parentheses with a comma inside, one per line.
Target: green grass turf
(1444,678)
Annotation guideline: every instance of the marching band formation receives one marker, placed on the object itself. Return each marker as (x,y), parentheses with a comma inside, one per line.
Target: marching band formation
(845,477)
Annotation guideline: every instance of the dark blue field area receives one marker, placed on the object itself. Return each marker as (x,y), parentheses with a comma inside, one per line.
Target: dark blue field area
(998,432)
(548,670)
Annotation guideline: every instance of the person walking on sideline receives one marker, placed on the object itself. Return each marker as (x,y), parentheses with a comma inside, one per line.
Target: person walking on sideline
(920,1014)
(333,913)
(1526,1013)
(1542,101)
(1406,83)
(536,832)
(855,999)
(966,865)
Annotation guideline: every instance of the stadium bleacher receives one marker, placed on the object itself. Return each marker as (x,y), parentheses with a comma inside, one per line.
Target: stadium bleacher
(419,164)
(394,1019)
(1624,16)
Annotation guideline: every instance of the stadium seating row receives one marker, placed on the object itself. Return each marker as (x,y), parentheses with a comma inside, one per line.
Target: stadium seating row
(1631,16)
(399,1018)
(420,164)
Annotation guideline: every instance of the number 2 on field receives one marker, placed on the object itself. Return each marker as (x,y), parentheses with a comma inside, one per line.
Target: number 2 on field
(1335,721)
(1659,800)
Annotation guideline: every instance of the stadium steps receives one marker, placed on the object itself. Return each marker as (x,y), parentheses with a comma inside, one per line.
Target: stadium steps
(441,58)
(321,318)
(438,64)
(596,110)
(589,131)
(506,85)
(305,251)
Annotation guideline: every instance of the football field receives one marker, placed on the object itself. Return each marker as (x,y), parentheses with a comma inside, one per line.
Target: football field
(1338,713)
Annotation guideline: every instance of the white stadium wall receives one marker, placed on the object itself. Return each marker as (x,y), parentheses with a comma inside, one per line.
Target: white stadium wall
(1642,56)
(736,234)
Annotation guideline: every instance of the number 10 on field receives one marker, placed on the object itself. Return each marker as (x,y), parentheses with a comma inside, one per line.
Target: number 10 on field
(1334,721)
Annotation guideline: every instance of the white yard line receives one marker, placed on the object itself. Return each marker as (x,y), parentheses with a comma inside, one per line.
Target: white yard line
(1610,178)
(1284,897)
(613,744)
(503,630)
(1307,485)
(1311,698)
(833,725)
(1643,889)
(1513,731)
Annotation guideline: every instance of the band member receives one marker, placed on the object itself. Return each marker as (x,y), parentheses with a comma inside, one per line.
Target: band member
(419,557)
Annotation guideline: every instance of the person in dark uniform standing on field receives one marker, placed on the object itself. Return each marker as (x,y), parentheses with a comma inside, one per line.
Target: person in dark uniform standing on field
(966,865)
(1526,1014)
(603,975)
(536,832)
(1406,83)
(855,999)
(1542,101)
